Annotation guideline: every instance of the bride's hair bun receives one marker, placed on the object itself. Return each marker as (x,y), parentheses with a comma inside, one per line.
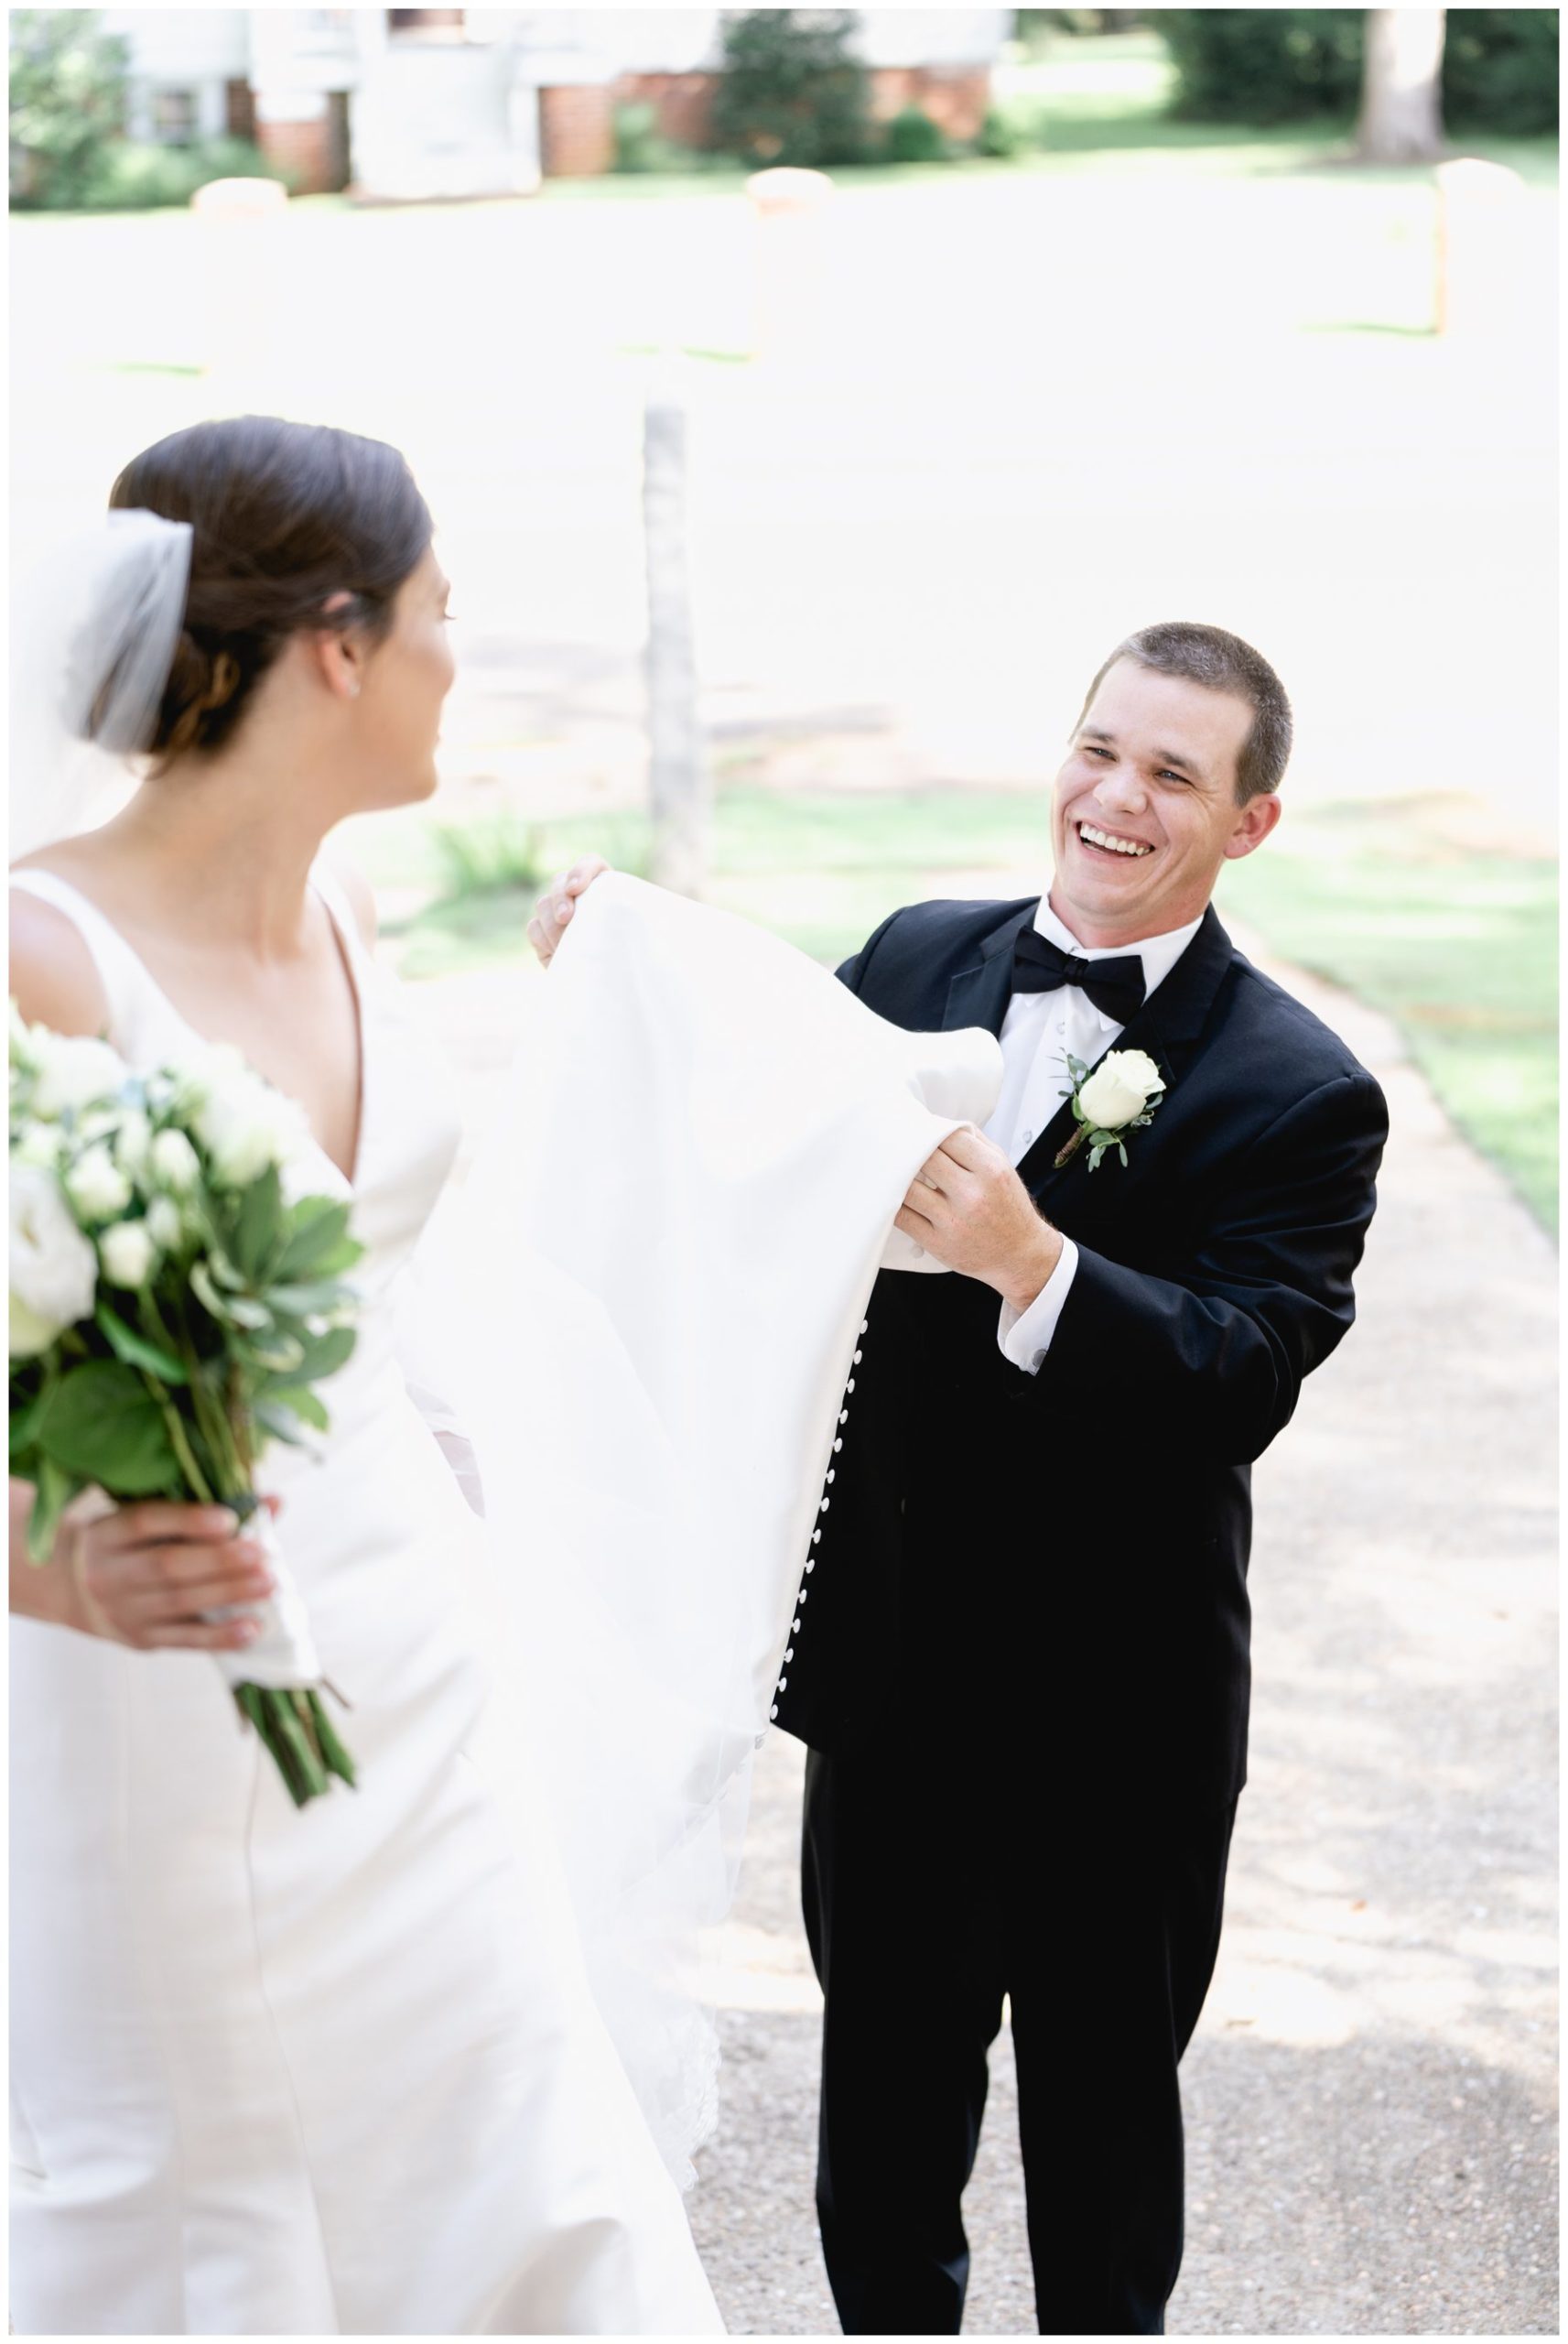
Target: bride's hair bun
(201,683)
(285,519)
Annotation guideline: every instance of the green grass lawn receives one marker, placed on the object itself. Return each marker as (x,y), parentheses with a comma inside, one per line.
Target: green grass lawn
(1458,947)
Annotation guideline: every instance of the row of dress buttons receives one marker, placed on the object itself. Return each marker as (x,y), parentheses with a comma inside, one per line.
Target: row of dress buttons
(817,1534)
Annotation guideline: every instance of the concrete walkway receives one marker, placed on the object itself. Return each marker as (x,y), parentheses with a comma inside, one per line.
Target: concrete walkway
(1370,2094)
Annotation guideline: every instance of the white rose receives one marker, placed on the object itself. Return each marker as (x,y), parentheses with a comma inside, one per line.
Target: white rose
(207,1070)
(1119,1088)
(127,1252)
(73,1070)
(41,1143)
(174,1161)
(245,1125)
(54,1271)
(164,1224)
(96,1185)
(133,1142)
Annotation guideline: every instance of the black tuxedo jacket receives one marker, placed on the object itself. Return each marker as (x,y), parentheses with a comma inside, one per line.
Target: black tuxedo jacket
(1051,1569)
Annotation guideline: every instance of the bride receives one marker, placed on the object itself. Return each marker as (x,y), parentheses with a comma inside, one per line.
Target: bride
(420,2059)
(339,2071)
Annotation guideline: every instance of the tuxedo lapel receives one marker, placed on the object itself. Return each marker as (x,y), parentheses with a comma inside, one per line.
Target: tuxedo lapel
(979,994)
(1167,1026)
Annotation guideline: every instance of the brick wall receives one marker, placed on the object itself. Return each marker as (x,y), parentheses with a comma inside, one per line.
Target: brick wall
(577,131)
(302,149)
(683,102)
(954,96)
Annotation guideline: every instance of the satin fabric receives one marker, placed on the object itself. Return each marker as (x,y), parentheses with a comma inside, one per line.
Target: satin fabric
(340,2070)
(657,1276)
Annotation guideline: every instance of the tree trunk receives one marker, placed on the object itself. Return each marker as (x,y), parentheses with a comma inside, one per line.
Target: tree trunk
(679,789)
(1401,98)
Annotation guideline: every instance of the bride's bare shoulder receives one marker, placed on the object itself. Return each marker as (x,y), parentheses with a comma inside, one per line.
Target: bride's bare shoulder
(54,979)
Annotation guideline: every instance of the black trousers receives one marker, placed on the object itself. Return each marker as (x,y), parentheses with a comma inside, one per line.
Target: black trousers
(935,1883)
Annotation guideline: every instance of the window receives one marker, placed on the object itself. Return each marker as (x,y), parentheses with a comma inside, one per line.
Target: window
(174,117)
(323,29)
(425,23)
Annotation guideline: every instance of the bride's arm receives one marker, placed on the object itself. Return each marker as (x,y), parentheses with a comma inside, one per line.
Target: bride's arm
(38,1591)
(54,979)
(141,1575)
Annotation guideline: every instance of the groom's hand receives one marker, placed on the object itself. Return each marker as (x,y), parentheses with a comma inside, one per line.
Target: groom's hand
(969,1207)
(553,912)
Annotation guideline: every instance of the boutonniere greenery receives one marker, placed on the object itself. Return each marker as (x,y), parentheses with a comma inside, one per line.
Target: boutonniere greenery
(1118,1097)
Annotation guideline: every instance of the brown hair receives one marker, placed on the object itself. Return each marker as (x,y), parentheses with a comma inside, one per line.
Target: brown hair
(284,517)
(1221,663)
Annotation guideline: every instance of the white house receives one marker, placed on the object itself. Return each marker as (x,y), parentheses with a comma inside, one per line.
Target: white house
(403,103)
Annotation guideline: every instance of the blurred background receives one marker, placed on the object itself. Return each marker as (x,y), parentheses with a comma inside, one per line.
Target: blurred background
(1101,317)
(808,401)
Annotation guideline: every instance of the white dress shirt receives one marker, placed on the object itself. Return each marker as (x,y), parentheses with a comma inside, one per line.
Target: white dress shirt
(1039,1033)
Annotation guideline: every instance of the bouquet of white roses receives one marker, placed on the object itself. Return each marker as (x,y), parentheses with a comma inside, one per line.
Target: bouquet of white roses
(169,1315)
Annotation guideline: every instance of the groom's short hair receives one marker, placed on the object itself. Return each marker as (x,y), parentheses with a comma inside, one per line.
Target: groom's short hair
(1223,663)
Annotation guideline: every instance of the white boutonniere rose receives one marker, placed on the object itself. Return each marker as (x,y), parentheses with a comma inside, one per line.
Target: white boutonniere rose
(1118,1097)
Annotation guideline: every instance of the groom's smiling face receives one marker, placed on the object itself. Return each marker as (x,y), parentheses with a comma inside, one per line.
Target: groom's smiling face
(1146,810)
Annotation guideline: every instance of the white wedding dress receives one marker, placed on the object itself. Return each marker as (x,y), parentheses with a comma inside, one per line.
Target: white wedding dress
(338,2070)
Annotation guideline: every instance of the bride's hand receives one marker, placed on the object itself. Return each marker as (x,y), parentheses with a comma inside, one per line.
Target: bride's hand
(145,1574)
(553,912)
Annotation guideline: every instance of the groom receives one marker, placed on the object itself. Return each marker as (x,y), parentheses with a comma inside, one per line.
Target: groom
(1020,1662)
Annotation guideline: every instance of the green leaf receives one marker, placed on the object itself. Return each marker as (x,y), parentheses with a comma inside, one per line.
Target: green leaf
(53,1492)
(301,1301)
(325,1354)
(301,1401)
(259,1226)
(135,1349)
(277,1353)
(278,1423)
(101,1423)
(22,1428)
(319,1232)
(230,1309)
(342,1257)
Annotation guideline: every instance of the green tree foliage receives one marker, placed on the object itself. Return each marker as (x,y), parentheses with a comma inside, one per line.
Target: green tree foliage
(791,89)
(1499,70)
(1034,26)
(913,137)
(68,103)
(1264,65)
(129,176)
(1271,65)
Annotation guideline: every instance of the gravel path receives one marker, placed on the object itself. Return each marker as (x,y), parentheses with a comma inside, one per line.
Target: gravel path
(1370,2094)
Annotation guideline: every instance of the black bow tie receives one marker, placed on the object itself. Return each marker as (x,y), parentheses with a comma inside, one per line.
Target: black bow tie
(1116,987)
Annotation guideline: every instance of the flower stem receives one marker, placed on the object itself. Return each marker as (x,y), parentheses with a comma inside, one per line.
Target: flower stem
(296,1731)
(1072,1148)
(196,1480)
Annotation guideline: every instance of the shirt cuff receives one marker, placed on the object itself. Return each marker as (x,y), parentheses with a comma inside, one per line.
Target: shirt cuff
(1025,1335)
